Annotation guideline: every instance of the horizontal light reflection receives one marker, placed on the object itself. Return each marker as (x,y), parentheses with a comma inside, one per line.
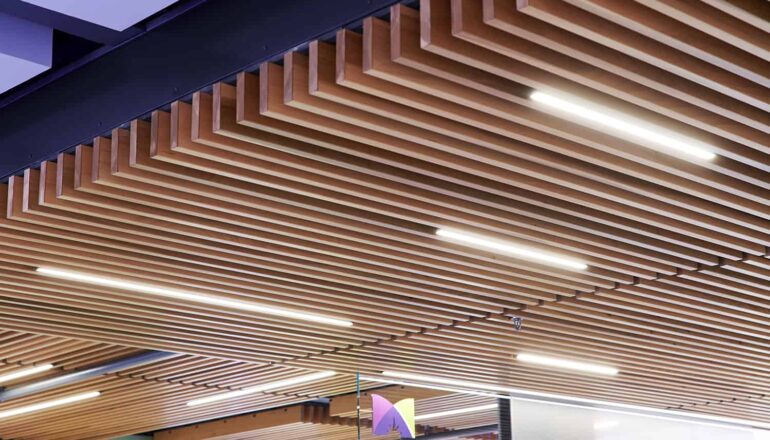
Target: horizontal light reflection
(455,412)
(262,388)
(25,372)
(623,123)
(49,404)
(511,248)
(189,296)
(450,389)
(510,393)
(445,381)
(566,364)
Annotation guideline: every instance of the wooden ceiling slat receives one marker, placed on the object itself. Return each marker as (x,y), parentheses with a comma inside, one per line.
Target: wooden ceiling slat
(754,13)
(686,39)
(548,33)
(467,24)
(418,59)
(652,51)
(438,17)
(334,95)
(586,249)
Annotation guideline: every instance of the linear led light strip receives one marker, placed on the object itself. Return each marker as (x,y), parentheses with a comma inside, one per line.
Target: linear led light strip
(511,248)
(455,412)
(262,388)
(392,381)
(451,412)
(25,372)
(566,364)
(49,404)
(473,388)
(623,123)
(189,296)
(606,424)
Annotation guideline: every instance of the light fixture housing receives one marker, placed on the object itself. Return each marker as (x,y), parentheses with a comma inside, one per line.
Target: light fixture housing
(262,388)
(48,404)
(516,250)
(605,117)
(566,364)
(190,296)
(456,412)
(25,372)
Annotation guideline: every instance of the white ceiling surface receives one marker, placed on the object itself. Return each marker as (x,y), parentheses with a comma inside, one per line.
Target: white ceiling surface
(114,14)
(25,50)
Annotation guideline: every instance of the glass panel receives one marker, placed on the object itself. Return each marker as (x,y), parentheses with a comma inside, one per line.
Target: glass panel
(434,411)
(548,421)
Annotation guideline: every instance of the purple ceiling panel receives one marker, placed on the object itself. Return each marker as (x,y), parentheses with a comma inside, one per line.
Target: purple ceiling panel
(25,50)
(114,14)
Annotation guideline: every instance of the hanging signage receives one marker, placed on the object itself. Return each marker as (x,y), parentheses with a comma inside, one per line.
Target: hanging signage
(387,417)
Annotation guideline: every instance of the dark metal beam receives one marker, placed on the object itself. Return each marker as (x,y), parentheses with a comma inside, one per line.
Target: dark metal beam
(206,44)
(504,422)
(87,373)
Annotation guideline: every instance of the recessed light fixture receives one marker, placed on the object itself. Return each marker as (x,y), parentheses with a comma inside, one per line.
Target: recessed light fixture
(25,372)
(455,412)
(49,404)
(626,124)
(566,364)
(262,388)
(511,248)
(189,296)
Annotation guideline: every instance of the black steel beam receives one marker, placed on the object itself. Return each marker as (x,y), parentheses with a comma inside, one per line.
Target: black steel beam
(504,422)
(206,44)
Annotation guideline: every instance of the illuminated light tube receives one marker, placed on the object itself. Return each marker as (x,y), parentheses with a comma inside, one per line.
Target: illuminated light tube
(49,404)
(625,124)
(454,412)
(261,388)
(510,248)
(473,388)
(609,424)
(446,381)
(430,387)
(189,296)
(566,364)
(25,372)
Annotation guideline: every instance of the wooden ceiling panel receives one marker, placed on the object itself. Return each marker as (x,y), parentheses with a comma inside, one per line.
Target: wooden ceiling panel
(318,183)
(142,398)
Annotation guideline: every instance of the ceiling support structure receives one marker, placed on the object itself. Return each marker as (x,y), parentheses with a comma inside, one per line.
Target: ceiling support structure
(157,68)
(505,424)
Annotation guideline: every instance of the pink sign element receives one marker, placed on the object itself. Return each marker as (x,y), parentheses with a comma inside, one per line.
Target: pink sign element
(387,417)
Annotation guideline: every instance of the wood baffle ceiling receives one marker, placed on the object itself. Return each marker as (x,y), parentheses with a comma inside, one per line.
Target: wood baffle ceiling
(317,183)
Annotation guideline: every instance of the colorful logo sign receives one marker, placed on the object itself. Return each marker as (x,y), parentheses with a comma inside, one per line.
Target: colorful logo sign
(386,416)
